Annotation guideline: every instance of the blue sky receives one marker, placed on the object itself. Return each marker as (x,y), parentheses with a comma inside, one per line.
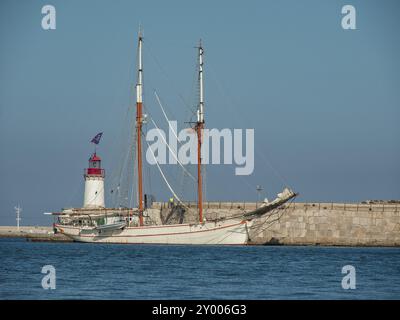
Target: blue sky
(324,102)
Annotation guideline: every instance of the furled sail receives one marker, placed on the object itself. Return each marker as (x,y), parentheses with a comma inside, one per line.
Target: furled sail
(281,198)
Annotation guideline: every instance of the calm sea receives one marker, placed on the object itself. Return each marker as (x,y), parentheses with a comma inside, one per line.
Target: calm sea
(96,271)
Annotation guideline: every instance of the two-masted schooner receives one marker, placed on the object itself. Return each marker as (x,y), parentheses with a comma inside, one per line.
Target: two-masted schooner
(97,224)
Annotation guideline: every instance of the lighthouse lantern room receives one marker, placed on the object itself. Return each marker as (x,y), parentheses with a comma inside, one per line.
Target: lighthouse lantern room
(94,184)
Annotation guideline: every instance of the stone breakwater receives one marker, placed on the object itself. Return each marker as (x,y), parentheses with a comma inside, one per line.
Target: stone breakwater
(337,224)
(329,224)
(32,233)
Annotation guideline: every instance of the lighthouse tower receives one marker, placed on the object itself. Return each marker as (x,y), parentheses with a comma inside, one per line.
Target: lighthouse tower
(94,184)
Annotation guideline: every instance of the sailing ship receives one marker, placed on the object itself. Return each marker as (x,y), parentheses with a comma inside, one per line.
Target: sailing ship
(96,224)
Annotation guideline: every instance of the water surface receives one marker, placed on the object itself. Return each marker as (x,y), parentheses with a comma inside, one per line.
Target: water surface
(104,271)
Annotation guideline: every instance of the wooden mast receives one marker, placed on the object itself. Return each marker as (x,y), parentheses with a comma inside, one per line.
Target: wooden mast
(139,121)
(199,131)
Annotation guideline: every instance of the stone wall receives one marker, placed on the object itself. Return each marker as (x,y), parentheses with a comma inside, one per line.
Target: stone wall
(32,233)
(308,223)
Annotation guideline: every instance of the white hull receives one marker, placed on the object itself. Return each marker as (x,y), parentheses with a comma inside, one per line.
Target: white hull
(226,232)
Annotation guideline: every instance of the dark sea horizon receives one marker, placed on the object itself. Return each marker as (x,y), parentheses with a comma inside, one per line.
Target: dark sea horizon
(108,271)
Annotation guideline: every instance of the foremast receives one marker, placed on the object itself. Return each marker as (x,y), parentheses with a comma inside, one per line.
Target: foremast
(199,130)
(139,122)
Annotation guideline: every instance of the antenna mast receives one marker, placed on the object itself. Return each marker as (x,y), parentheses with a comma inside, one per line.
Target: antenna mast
(199,130)
(139,121)
(18,211)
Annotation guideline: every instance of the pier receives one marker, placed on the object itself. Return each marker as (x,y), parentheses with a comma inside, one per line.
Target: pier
(33,233)
(329,224)
(325,224)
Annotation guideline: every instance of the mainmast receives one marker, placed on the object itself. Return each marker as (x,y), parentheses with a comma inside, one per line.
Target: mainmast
(199,130)
(139,121)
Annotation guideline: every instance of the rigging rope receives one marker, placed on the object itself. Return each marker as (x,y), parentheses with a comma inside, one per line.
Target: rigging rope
(243,115)
(185,172)
(119,174)
(165,115)
(165,74)
(172,152)
(165,179)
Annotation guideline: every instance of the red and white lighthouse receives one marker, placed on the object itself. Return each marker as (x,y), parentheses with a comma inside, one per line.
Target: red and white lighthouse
(94,184)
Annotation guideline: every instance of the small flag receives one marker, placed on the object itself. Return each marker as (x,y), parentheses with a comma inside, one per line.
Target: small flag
(97,138)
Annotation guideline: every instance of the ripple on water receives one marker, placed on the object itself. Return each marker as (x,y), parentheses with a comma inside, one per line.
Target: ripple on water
(87,271)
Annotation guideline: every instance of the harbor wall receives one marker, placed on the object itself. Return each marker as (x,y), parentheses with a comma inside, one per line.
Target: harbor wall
(32,233)
(338,224)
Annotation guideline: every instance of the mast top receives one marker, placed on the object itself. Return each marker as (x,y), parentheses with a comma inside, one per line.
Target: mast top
(200,111)
(140,33)
(139,90)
